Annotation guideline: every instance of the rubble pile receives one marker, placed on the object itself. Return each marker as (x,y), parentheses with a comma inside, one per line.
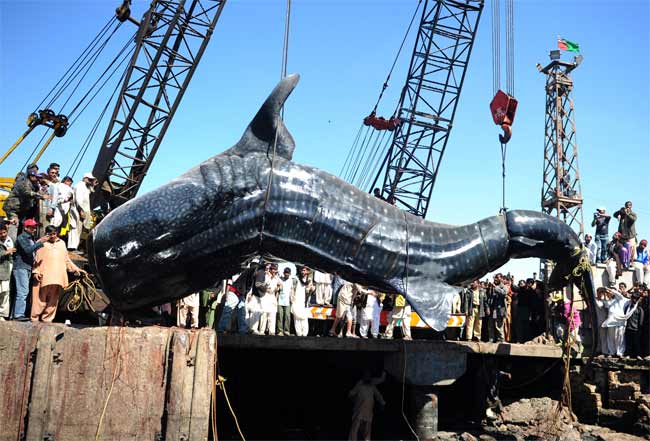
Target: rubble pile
(538,419)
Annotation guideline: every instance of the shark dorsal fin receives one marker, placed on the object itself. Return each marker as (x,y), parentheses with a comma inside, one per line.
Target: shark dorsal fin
(260,133)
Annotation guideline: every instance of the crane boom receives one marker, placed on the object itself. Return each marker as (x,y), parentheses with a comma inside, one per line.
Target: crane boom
(169,44)
(428,102)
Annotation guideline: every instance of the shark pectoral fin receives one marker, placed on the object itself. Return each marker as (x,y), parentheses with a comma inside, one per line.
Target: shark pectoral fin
(431,299)
(520,246)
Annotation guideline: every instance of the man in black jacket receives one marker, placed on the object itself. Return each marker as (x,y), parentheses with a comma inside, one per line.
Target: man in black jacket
(26,246)
(633,326)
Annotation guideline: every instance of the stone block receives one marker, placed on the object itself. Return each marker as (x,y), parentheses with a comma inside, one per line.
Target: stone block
(626,405)
(625,376)
(626,391)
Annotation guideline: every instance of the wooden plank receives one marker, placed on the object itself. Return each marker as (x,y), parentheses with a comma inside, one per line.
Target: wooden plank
(110,381)
(188,405)
(117,382)
(17,347)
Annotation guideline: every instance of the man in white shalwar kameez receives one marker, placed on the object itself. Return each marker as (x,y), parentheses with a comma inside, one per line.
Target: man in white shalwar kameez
(323,284)
(615,322)
(304,288)
(370,315)
(267,283)
(81,209)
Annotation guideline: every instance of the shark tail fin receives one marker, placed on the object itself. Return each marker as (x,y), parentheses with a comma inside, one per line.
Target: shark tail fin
(260,135)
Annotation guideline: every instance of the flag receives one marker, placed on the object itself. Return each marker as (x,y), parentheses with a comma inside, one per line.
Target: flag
(567,45)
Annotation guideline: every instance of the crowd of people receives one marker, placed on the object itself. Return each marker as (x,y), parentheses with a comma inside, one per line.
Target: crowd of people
(623,251)
(45,218)
(262,301)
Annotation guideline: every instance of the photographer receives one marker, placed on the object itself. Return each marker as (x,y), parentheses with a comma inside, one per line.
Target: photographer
(626,226)
(601,222)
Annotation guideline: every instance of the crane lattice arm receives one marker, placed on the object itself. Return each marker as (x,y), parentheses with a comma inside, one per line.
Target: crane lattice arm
(170,42)
(428,102)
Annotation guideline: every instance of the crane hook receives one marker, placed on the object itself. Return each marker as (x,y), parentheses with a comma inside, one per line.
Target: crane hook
(507,133)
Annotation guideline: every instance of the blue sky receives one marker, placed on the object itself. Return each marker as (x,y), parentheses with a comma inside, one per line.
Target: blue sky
(343,50)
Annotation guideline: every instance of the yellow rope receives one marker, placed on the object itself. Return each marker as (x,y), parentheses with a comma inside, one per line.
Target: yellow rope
(80,292)
(221,382)
(114,377)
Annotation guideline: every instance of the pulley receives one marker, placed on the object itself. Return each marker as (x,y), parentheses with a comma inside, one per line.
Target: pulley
(503,108)
(381,123)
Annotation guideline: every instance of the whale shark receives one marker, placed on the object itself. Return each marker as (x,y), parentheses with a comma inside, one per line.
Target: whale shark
(252,199)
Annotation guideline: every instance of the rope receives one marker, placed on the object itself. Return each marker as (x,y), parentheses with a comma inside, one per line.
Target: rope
(403,390)
(406,282)
(279,119)
(503,177)
(221,382)
(81,292)
(113,379)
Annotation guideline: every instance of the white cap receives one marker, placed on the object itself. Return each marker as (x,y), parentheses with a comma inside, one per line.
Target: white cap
(89,176)
(600,208)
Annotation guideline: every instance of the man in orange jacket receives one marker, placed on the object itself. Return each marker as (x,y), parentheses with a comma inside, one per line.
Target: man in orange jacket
(50,272)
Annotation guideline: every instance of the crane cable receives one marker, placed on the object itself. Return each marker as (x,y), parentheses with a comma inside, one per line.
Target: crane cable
(84,147)
(84,61)
(496,70)
(82,55)
(350,168)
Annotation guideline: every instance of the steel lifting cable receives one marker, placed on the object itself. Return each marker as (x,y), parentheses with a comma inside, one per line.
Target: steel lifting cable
(362,153)
(356,164)
(354,143)
(89,66)
(91,44)
(84,148)
(399,51)
(381,159)
(496,49)
(370,157)
(371,160)
(508,18)
(280,117)
(88,60)
(496,70)
(124,54)
(348,175)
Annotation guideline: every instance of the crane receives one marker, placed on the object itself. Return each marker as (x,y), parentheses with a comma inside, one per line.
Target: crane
(428,102)
(170,42)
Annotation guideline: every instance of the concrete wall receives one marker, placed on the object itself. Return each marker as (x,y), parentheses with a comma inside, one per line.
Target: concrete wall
(62,383)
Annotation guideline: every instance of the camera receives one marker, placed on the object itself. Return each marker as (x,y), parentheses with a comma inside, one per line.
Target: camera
(596,214)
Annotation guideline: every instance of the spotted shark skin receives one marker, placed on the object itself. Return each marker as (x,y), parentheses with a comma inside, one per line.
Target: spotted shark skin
(200,227)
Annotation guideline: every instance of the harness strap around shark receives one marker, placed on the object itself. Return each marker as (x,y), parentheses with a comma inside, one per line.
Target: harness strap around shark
(252,199)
